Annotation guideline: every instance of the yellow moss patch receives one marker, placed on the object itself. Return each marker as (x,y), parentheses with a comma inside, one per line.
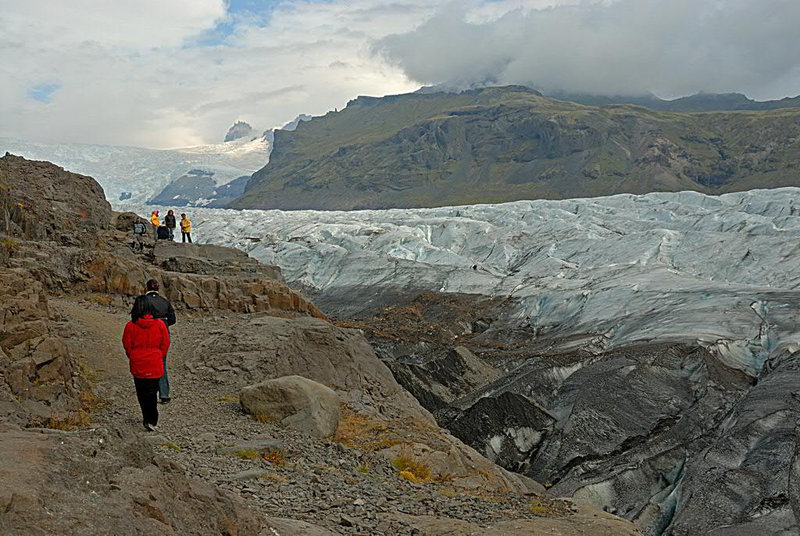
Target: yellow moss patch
(411,469)
(68,421)
(365,432)
(408,475)
(227,398)
(364,468)
(89,401)
(89,374)
(9,244)
(546,507)
(171,445)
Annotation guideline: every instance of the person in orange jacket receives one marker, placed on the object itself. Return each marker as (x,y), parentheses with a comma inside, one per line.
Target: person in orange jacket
(186,228)
(156,223)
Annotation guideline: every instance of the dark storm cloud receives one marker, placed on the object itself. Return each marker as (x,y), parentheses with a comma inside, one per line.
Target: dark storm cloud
(670,47)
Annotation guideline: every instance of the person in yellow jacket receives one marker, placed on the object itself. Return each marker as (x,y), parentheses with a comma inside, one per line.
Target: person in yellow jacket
(156,222)
(186,228)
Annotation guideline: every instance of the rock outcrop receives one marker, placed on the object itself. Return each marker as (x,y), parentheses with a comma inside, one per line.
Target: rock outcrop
(380,414)
(85,249)
(119,487)
(40,383)
(240,129)
(41,201)
(208,259)
(298,402)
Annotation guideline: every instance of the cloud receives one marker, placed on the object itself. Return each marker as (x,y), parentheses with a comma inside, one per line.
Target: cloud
(168,73)
(669,47)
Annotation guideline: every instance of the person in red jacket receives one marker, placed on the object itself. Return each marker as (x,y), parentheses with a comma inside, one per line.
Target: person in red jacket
(146,342)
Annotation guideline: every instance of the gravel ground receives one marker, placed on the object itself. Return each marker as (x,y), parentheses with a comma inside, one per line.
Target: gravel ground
(206,432)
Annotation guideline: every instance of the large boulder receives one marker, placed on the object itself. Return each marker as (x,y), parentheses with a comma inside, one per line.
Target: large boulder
(298,402)
(380,414)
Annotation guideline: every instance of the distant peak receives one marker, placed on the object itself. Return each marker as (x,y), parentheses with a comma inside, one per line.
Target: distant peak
(292,125)
(240,129)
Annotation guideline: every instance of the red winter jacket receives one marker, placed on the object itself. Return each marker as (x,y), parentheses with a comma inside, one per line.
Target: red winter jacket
(146,343)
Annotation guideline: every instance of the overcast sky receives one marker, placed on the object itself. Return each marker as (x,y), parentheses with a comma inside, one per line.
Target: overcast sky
(169,73)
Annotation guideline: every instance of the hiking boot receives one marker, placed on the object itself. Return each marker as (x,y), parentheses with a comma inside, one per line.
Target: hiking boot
(151,427)
(165,400)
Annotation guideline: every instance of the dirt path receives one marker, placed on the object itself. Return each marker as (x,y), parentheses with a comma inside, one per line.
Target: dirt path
(93,333)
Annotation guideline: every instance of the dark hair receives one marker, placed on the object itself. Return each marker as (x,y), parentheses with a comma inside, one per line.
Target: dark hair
(142,306)
(152,284)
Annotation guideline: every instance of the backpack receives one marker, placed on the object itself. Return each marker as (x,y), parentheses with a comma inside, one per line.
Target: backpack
(139,228)
(163,233)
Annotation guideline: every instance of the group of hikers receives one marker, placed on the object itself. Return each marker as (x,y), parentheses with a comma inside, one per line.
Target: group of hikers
(162,232)
(146,342)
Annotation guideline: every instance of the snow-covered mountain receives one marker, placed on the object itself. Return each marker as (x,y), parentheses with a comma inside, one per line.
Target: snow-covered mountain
(134,175)
(615,270)
(202,175)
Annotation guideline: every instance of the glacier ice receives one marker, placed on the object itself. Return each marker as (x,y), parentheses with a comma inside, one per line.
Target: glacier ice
(722,270)
(133,175)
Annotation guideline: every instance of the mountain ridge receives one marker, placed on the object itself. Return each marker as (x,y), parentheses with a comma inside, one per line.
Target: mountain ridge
(511,143)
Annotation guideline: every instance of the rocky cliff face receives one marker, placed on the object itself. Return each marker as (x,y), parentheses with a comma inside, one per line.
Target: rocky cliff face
(503,144)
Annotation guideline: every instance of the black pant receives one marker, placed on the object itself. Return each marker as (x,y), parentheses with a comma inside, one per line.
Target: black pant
(147,393)
(185,236)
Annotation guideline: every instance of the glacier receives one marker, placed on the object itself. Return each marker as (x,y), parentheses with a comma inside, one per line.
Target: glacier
(142,173)
(596,273)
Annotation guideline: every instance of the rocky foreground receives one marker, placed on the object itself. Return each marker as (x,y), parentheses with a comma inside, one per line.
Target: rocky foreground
(82,464)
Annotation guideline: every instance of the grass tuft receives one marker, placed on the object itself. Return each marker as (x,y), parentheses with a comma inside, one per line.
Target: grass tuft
(69,421)
(364,468)
(411,469)
(100,299)
(365,432)
(247,454)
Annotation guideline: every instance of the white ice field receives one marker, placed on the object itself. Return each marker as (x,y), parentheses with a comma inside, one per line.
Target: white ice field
(664,266)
